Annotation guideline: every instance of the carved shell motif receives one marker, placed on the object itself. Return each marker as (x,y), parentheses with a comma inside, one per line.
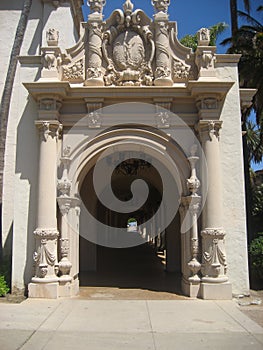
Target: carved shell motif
(128,51)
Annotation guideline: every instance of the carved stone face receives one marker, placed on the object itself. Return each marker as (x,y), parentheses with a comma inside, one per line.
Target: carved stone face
(128,51)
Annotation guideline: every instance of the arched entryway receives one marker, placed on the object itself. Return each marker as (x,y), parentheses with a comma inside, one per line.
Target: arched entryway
(155,265)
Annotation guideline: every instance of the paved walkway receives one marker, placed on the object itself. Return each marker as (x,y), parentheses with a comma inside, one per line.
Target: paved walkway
(127,324)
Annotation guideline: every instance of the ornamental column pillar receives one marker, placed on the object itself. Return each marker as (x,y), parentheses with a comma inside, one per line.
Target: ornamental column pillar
(95,22)
(163,59)
(45,282)
(191,208)
(214,266)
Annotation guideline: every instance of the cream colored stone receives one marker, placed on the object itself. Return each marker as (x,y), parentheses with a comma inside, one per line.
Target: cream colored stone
(79,77)
(212,291)
(43,290)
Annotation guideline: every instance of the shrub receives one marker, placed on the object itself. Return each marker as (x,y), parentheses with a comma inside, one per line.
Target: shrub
(3,287)
(256,255)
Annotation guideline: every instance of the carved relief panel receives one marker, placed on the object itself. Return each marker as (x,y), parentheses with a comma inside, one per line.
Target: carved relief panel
(128,48)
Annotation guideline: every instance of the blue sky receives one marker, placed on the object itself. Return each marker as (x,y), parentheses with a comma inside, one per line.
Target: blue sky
(191,15)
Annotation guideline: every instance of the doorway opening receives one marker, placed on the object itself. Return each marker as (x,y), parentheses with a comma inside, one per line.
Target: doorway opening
(150,270)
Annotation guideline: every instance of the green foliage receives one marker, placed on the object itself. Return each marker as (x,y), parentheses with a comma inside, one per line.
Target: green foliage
(256,255)
(132,220)
(257,200)
(192,42)
(248,41)
(254,144)
(3,286)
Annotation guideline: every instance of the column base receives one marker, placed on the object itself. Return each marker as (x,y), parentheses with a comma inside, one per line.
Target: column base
(191,288)
(68,289)
(65,288)
(216,291)
(43,290)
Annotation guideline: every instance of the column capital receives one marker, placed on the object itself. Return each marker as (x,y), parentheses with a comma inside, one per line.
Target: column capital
(50,128)
(209,128)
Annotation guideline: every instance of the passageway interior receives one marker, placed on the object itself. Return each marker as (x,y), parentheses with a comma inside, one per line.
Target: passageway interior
(141,267)
(144,267)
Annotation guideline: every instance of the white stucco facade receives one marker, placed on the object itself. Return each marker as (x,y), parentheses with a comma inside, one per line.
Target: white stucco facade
(58,84)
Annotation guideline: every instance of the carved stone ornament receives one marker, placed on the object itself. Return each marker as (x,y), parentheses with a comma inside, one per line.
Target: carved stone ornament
(44,257)
(161,5)
(52,37)
(210,128)
(193,182)
(96,5)
(49,104)
(46,233)
(51,58)
(181,71)
(64,205)
(128,48)
(64,184)
(207,103)
(64,264)
(94,120)
(49,129)
(163,120)
(66,151)
(74,73)
(214,265)
(203,37)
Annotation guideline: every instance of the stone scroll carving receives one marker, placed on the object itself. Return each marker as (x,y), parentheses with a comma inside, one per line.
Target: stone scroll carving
(128,48)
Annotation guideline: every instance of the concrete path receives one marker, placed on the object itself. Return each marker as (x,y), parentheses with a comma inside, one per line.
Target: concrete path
(127,324)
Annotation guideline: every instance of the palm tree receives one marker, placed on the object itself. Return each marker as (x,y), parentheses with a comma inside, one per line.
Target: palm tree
(234,14)
(249,42)
(9,82)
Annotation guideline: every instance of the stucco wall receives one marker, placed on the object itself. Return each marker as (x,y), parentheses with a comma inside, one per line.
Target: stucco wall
(21,157)
(233,183)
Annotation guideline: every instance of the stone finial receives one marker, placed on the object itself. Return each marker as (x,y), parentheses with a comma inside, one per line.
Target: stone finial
(203,37)
(128,7)
(161,5)
(96,5)
(52,36)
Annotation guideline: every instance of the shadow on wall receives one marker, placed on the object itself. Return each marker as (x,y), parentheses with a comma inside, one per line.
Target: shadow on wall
(27,168)
(36,13)
(6,256)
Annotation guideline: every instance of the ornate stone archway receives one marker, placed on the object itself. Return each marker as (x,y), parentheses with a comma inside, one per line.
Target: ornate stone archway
(131,58)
